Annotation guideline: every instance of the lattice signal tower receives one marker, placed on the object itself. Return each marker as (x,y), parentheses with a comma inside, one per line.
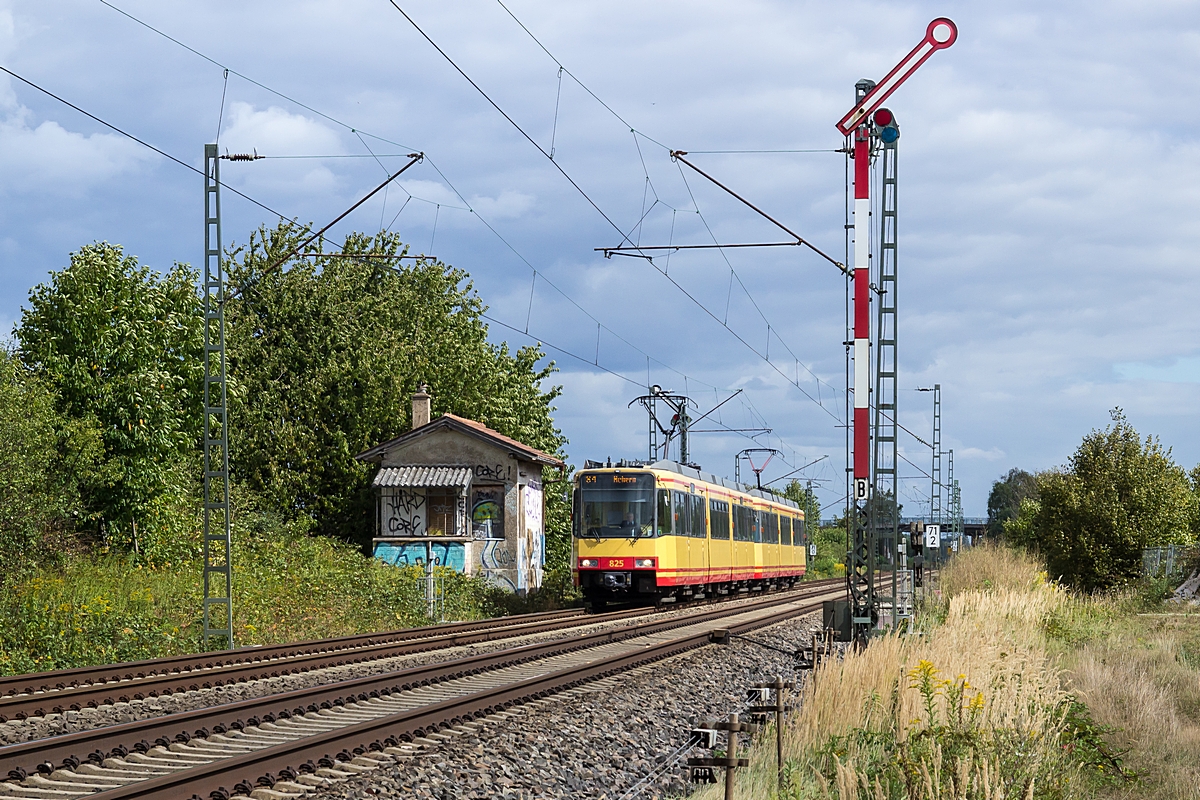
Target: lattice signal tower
(858,126)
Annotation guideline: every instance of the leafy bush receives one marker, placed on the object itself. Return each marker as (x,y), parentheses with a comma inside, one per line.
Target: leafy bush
(1118,495)
(121,347)
(41,458)
(831,553)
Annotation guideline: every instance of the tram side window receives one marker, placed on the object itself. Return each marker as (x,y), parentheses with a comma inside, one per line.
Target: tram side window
(770,527)
(741,524)
(801,537)
(756,526)
(785,530)
(719,519)
(680,513)
(699,529)
(664,512)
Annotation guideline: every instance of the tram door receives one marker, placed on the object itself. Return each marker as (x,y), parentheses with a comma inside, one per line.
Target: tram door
(682,514)
(699,538)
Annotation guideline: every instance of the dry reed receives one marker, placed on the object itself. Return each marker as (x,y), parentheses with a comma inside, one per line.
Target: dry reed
(983,675)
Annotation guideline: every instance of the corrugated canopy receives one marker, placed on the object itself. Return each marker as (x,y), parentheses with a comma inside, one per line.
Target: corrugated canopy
(419,475)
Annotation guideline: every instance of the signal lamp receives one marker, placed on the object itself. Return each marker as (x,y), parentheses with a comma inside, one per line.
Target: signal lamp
(886,127)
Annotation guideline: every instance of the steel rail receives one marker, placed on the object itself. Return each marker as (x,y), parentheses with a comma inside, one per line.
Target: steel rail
(166,683)
(46,753)
(164,677)
(246,769)
(40,682)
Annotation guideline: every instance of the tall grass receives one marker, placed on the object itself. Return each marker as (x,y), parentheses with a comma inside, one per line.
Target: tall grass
(287,587)
(990,567)
(1139,673)
(975,708)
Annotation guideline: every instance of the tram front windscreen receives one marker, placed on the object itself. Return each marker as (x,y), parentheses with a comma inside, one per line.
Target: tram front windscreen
(615,505)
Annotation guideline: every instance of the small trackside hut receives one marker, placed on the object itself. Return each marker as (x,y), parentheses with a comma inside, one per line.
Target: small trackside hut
(456,492)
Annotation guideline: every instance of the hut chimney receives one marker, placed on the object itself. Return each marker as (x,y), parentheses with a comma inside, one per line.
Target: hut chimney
(420,408)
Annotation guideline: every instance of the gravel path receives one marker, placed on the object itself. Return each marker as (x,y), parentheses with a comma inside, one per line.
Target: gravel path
(597,741)
(34,728)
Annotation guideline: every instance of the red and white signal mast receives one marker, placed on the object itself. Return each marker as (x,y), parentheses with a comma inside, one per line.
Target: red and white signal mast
(867,126)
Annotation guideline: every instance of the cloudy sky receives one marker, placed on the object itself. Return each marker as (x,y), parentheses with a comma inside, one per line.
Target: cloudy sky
(1048,193)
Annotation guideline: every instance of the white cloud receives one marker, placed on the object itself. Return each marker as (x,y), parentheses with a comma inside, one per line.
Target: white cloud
(508,204)
(40,157)
(276,132)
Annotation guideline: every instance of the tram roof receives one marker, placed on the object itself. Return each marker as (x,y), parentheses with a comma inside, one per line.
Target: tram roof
(696,473)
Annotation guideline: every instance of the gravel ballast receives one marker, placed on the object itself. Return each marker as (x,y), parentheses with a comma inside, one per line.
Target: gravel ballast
(597,741)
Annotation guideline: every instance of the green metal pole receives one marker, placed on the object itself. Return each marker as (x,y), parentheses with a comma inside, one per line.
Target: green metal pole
(218,562)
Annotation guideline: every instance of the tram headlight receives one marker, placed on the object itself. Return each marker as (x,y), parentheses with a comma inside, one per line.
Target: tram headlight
(644,563)
(589,562)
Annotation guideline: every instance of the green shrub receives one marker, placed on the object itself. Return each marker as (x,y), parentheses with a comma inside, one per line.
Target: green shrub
(558,591)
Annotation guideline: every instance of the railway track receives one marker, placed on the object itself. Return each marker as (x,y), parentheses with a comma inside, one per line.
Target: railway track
(286,744)
(58,680)
(40,694)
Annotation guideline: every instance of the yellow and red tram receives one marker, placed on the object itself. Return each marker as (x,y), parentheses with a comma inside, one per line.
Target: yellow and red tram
(664,531)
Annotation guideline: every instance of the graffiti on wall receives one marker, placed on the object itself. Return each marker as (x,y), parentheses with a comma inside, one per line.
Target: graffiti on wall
(487,512)
(497,563)
(407,554)
(493,472)
(404,512)
(533,546)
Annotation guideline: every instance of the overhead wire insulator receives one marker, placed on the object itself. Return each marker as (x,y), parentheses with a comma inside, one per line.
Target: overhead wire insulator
(242,156)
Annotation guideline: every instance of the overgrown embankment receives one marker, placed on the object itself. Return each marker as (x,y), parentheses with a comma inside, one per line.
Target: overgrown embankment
(1017,689)
(101,417)
(119,607)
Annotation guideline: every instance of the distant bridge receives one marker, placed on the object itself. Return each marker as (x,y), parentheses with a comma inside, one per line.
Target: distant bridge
(972,526)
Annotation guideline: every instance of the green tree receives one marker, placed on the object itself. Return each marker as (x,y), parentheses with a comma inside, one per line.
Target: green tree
(42,459)
(806,498)
(1004,501)
(326,354)
(1118,495)
(120,348)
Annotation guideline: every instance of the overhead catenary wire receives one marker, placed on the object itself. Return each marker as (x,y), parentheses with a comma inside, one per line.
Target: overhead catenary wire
(678,156)
(591,363)
(625,237)
(246,78)
(140,141)
(575,78)
(733,274)
(279,262)
(798,469)
(636,133)
(359,133)
(739,152)
(505,114)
